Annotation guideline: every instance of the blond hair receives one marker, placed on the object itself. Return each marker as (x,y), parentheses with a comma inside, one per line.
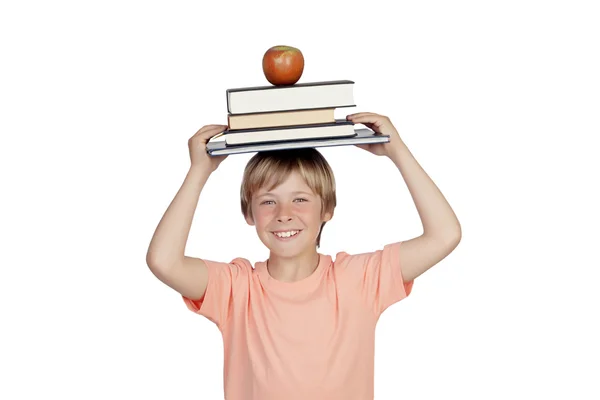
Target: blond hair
(273,167)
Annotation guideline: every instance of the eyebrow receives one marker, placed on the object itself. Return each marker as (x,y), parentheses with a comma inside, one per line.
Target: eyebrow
(294,193)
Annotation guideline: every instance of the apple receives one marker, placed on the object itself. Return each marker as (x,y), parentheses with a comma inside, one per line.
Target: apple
(283,65)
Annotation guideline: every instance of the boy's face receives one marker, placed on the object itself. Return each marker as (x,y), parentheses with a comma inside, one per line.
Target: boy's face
(288,218)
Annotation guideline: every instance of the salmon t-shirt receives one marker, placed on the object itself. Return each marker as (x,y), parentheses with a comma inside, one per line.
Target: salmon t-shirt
(310,339)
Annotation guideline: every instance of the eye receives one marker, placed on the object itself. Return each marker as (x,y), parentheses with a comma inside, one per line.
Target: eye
(267,202)
(302,200)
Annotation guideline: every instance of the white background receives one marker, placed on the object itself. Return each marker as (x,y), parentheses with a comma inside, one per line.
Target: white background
(498,101)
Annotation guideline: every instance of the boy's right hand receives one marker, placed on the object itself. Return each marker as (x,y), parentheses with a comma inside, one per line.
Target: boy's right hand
(197,147)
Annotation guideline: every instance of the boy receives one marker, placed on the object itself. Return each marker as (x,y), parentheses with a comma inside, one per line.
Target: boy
(299,325)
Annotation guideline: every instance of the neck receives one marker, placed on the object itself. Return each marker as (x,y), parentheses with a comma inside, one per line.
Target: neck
(291,269)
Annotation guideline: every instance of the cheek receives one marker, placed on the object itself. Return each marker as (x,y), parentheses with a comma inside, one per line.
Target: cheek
(310,214)
(262,215)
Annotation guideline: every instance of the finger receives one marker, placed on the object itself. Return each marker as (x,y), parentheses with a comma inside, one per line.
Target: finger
(210,130)
(209,127)
(367,120)
(368,125)
(363,114)
(207,136)
(216,128)
(370,121)
(366,117)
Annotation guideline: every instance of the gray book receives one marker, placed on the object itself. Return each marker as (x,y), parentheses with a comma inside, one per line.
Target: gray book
(362,136)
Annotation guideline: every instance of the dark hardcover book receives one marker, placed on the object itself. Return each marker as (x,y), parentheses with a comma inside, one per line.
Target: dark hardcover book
(300,96)
(362,136)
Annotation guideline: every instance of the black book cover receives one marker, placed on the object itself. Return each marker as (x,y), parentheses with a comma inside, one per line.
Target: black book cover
(273,87)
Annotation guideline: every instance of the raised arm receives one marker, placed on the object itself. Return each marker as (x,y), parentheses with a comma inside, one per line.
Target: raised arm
(441,228)
(165,256)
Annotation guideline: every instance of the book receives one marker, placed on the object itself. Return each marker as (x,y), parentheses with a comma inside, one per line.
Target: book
(338,128)
(300,96)
(362,136)
(284,118)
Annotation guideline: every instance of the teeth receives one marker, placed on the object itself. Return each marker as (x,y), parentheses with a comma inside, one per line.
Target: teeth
(286,234)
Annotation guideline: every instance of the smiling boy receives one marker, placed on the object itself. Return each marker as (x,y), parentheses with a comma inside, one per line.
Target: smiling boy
(288,213)
(300,325)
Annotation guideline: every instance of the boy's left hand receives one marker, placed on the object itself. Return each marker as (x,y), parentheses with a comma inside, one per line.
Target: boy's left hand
(379,124)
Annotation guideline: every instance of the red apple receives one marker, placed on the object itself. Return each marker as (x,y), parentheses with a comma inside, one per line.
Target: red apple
(283,65)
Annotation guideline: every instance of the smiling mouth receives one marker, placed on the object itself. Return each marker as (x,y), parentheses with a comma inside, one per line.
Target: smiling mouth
(287,234)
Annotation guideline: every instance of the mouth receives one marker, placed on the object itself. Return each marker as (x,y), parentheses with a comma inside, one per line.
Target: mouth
(287,235)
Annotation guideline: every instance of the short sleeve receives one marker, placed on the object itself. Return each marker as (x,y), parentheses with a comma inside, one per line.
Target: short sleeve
(378,276)
(224,279)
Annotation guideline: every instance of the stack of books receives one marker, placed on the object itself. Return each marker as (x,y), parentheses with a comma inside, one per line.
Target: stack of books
(286,117)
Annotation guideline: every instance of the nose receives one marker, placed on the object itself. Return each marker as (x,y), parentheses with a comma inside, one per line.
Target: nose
(284,214)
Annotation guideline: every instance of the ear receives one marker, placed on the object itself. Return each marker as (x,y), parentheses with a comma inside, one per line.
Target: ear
(250,221)
(327,216)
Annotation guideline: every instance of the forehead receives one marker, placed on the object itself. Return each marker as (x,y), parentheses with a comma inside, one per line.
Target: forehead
(294,182)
